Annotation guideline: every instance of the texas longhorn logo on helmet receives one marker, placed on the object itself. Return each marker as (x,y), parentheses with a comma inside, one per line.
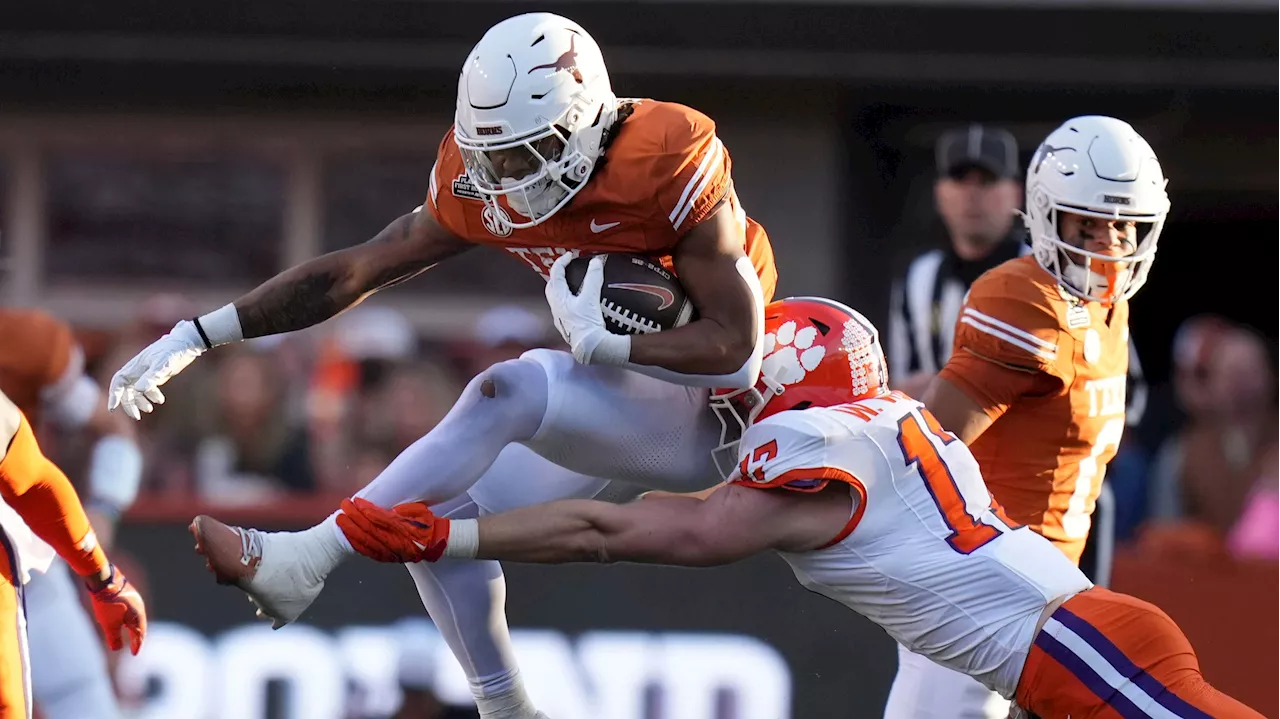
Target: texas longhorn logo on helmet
(568,61)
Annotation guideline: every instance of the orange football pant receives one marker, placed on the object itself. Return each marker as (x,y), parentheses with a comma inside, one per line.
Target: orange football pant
(15,694)
(1111,656)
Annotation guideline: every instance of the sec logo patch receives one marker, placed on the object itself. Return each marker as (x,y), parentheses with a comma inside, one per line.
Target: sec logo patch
(496,220)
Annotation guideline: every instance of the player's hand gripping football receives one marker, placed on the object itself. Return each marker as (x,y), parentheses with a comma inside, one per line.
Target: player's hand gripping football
(118,608)
(578,317)
(405,534)
(136,387)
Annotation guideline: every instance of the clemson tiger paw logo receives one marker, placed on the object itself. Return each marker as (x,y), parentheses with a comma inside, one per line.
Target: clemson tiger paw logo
(790,354)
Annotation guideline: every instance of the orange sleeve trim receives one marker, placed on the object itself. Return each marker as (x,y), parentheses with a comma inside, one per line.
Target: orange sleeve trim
(41,494)
(825,475)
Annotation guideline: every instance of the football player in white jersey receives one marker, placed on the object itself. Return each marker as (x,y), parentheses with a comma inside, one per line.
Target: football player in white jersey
(876,506)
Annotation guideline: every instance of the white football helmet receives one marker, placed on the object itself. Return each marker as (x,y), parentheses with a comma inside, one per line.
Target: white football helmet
(1099,167)
(534,108)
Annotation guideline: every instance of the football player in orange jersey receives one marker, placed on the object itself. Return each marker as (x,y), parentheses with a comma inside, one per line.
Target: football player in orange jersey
(1035,384)
(42,371)
(40,495)
(543,159)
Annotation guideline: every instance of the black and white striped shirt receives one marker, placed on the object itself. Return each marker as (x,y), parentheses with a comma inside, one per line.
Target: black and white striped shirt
(926,304)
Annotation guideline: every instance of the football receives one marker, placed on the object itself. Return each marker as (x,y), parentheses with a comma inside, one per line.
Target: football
(639,295)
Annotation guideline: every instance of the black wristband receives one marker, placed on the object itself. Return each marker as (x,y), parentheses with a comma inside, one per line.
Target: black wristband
(204,337)
(95,585)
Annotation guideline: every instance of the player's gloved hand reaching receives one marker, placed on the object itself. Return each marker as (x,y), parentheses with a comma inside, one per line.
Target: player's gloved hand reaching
(118,607)
(136,387)
(405,534)
(579,317)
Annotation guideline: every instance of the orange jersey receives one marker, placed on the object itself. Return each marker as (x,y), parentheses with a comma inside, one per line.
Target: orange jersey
(665,172)
(35,354)
(1051,369)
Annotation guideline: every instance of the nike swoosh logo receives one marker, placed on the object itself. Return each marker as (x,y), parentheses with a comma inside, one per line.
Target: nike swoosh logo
(666,296)
(601,228)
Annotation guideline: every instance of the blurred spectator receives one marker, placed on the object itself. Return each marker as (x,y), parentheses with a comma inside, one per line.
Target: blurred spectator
(1194,346)
(976,194)
(375,392)
(386,418)
(253,452)
(1218,473)
(502,333)
(167,444)
(1183,393)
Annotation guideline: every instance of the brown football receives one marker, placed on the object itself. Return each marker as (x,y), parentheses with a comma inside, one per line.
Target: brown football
(639,295)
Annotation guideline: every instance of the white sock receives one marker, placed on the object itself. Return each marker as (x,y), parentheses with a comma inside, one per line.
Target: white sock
(466,599)
(511,704)
(344,544)
(324,547)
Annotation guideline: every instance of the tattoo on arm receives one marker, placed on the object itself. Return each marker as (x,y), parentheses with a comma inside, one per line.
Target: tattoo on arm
(289,306)
(316,290)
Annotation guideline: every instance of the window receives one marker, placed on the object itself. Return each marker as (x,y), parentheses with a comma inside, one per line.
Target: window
(207,219)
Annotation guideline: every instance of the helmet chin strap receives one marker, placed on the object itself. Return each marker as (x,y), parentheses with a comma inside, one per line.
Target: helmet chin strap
(1102,286)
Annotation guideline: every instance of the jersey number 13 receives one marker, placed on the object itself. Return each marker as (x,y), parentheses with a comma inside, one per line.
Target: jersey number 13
(968,532)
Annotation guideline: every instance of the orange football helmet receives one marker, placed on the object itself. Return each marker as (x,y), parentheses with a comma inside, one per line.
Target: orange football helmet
(817,353)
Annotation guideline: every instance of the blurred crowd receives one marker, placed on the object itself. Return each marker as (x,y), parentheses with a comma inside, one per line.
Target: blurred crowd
(1211,483)
(321,411)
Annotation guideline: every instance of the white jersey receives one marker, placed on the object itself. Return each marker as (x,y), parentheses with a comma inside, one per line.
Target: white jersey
(927,554)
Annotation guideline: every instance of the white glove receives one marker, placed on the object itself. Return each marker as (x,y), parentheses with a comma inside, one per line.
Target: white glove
(136,387)
(579,318)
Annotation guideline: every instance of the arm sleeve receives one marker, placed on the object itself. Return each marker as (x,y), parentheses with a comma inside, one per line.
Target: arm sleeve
(41,494)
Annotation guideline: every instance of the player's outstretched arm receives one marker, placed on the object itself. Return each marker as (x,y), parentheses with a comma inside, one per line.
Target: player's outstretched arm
(41,494)
(297,298)
(318,289)
(731,524)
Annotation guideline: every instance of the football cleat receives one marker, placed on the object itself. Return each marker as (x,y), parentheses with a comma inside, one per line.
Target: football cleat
(272,568)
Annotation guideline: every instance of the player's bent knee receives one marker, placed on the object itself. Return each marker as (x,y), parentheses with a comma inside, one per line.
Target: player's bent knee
(517,389)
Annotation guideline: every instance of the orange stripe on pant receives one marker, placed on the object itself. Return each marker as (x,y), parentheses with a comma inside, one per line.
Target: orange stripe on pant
(15,679)
(1111,656)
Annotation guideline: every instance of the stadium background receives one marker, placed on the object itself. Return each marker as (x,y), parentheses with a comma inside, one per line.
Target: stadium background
(156,154)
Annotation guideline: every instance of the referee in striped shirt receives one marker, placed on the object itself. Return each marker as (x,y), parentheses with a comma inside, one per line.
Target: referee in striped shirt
(976,193)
